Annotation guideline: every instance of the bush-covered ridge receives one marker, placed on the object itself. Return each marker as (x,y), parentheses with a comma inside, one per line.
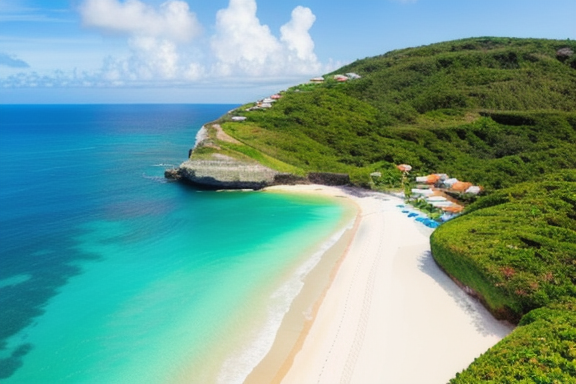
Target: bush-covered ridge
(516,247)
(326,130)
(541,350)
(393,114)
(498,112)
(480,73)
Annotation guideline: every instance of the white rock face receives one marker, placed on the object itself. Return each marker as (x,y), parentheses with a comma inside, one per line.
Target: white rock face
(227,174)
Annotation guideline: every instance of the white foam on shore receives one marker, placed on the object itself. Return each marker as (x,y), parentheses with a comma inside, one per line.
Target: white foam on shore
(201,136)
(237,368)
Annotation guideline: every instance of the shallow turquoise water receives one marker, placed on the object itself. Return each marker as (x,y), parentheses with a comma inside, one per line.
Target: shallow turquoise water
(109,274)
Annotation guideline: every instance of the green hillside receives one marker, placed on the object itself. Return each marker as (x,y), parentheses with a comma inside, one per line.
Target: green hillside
(463,107)
(499,112)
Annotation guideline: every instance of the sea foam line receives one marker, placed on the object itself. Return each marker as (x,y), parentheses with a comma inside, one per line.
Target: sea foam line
(237,368)
(201,136)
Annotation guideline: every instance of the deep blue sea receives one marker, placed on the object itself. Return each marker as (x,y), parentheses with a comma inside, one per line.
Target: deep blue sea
(110,274)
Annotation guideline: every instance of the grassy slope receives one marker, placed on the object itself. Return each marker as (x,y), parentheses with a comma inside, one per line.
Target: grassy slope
(464,107)
(498,112)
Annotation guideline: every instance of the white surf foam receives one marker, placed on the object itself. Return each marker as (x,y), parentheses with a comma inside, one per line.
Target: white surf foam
(237,368)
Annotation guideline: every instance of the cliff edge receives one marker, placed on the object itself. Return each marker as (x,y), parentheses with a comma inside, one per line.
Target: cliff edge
(224,173)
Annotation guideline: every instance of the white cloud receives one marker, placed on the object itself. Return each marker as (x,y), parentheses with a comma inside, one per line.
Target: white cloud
(241,42)
(242,45)
(151,60)
(163,48)
(295,34)
(156,38)
(172,20)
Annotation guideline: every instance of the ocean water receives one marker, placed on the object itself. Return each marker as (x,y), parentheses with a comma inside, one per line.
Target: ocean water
(110,274)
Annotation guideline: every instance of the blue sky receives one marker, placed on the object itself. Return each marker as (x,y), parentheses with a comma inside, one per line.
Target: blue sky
(230,51)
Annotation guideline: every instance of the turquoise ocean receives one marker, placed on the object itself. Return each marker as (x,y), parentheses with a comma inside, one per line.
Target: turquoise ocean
(111,274)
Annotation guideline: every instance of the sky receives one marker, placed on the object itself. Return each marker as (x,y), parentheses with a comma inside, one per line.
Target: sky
(230,51)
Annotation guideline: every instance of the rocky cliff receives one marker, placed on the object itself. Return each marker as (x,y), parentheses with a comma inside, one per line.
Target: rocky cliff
(223,174)
(228,173)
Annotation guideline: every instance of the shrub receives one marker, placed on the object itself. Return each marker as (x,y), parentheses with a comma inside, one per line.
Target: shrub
(515,247)
(541,350)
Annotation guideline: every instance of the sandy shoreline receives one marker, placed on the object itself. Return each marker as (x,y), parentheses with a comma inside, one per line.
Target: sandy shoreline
(387,313)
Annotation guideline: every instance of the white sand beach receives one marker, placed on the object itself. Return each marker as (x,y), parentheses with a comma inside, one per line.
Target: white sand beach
(389,315)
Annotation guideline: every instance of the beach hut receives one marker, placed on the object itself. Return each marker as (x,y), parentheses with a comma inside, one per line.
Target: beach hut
(436,198)
(430,179)
(423,192)
(404,167)
(461,186)
(453,209)
(441,204)
(450,182)
(474,190)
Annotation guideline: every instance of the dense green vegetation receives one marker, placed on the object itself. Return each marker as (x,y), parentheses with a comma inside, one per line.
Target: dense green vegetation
(484,73)
(463,107)
(498,112)
(517,246)
(541,350)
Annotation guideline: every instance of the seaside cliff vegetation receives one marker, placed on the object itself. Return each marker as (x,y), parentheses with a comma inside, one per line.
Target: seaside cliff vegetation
(499,112)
